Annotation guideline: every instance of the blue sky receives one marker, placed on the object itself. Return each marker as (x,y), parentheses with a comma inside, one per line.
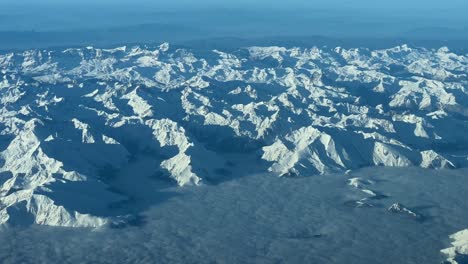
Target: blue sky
(446,4)
(427,19)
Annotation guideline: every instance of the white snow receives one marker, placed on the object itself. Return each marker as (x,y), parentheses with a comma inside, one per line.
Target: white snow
(459,246)
(85,114)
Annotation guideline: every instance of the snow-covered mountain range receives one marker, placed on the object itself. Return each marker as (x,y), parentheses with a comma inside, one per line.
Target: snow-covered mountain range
(76,123)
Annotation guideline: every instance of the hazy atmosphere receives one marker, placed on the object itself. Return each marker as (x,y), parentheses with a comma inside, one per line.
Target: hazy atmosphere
(55,23)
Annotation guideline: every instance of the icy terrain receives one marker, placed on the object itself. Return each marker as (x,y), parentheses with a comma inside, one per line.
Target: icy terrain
(203,154)
(83,129)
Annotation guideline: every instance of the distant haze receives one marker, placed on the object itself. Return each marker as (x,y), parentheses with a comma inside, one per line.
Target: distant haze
(123,21)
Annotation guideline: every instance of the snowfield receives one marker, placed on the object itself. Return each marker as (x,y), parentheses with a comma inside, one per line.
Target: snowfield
(81,116)
(86,132)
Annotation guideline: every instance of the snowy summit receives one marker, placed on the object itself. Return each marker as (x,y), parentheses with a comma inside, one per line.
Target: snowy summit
(74,120)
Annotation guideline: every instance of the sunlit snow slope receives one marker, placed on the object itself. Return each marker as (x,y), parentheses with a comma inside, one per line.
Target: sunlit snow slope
(74,120)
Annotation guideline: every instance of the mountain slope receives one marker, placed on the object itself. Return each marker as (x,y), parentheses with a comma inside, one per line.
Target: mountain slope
(81,116)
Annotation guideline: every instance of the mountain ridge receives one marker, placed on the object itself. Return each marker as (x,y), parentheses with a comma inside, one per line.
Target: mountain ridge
(83,114)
